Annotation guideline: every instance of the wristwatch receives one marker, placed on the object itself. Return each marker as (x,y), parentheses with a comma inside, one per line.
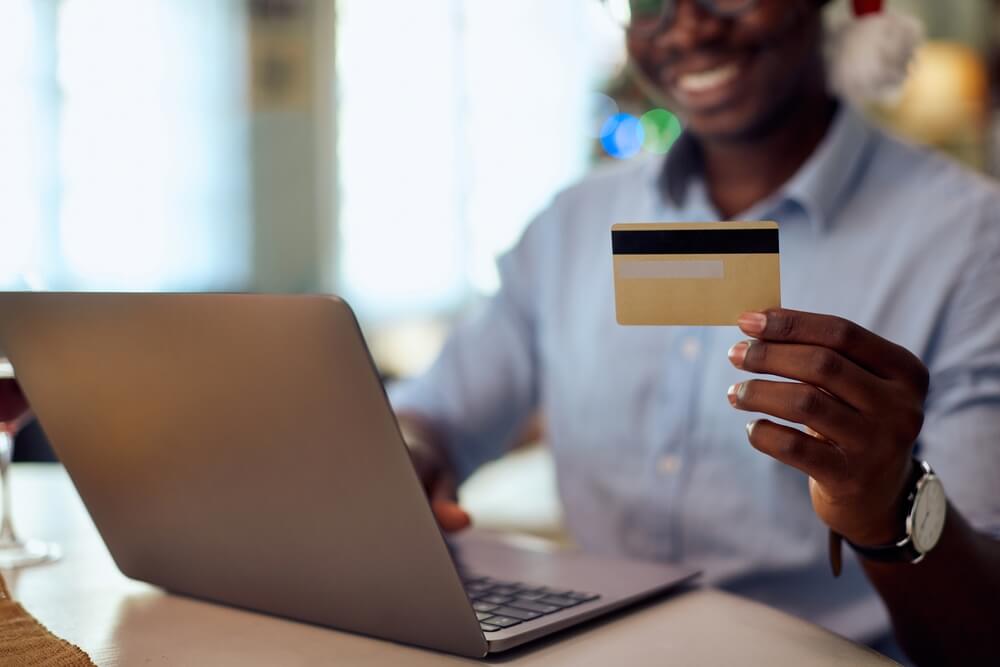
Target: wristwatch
(926,508)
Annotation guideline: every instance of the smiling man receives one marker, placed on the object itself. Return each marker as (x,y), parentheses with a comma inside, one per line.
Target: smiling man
(891,242)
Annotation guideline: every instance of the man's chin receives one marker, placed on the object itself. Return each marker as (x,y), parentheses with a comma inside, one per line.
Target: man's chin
(745,122)
(723,129)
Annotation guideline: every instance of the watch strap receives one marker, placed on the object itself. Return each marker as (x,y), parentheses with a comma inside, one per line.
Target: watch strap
(900,552)
(836,546)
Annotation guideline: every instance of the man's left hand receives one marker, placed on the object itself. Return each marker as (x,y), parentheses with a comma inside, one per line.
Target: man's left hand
(860,397)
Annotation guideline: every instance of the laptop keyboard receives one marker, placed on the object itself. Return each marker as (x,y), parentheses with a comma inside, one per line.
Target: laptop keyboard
(504,604)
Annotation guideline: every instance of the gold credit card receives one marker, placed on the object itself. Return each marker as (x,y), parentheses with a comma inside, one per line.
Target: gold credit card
(695,273)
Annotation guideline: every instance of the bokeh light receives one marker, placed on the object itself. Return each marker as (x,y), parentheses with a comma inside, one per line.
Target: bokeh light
(661,129)
(622,136)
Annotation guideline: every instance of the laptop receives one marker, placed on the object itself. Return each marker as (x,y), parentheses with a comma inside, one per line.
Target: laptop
(240,449)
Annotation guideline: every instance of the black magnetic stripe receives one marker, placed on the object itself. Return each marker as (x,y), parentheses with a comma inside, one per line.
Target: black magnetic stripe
(694,241)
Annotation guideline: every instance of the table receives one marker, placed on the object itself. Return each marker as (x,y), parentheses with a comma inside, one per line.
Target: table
(118,621)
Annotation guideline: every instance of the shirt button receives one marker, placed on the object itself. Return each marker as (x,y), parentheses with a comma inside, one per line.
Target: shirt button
(690,349)
(669,464)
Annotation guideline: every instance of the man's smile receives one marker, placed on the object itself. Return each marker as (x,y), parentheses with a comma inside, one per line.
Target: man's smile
(699,82)
(707,84)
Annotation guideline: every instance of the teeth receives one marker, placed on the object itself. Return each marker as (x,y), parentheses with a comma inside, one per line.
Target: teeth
(697,82)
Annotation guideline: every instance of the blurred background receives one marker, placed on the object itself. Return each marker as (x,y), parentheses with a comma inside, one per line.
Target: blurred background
(383,150)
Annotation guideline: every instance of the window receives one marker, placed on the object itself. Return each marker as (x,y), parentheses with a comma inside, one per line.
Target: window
(22,147)
(459,120)
(124,134)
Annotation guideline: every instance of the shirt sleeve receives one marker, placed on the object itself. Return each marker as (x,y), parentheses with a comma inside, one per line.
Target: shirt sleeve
(484,383)
(961,435)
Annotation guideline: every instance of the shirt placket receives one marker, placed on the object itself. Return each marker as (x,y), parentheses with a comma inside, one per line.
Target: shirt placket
(673,446)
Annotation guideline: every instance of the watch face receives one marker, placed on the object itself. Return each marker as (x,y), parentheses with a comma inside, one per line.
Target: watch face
(927,517)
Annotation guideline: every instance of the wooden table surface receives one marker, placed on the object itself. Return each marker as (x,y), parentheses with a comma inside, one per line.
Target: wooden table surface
(118,621)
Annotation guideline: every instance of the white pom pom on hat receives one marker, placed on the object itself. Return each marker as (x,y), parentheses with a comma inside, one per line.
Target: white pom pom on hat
(872,52)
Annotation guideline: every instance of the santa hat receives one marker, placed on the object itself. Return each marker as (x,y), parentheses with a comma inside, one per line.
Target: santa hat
(871,52)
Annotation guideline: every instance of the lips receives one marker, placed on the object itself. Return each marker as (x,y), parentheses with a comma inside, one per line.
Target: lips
(708,84)
(705,80)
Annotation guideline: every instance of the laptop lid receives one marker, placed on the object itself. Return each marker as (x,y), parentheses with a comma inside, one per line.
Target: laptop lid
(176,414)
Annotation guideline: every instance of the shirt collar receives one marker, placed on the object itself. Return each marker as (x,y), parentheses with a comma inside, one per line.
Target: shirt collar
(818,186)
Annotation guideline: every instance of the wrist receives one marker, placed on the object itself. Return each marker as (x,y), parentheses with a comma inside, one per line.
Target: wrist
(888,532)
(880,519)
(926,508)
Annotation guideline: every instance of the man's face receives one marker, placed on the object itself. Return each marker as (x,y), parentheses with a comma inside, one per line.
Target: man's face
(728,77)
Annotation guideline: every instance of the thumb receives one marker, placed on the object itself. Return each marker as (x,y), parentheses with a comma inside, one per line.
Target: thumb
(450,516)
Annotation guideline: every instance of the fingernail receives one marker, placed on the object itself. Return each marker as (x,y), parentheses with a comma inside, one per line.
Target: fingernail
(734,394)
(752,323)
(738,352)
(750,426)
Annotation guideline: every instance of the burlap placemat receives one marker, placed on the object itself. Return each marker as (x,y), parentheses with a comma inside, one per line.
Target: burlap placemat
(24,641)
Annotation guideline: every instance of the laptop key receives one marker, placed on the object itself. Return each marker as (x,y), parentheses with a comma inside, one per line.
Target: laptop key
(493,598)
(533,605)
(559,601)
(504,621)
(531,595)
(521,614)
(478,587)
(582,597)
(483,615)
(489,628)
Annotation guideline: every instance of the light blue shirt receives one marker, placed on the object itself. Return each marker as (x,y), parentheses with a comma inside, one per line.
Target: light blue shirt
(652,461)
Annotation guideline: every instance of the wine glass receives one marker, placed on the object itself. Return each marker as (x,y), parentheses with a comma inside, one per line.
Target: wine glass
(14,414)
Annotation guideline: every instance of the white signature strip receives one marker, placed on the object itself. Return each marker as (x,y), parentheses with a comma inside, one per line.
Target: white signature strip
(671,269)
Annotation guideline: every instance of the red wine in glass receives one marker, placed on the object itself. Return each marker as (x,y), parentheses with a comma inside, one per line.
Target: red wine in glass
(13,404)
(14,413)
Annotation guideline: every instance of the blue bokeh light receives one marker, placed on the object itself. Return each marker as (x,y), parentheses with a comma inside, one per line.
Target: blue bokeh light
(622,136)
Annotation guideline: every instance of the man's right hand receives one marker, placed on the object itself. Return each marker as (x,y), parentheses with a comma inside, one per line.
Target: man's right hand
(437,477)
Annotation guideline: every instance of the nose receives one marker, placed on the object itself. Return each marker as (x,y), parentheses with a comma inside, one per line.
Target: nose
(691,27)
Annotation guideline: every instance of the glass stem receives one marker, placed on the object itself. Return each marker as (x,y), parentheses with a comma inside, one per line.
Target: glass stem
(7,536)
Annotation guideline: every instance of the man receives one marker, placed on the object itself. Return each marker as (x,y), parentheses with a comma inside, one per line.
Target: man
(652,459)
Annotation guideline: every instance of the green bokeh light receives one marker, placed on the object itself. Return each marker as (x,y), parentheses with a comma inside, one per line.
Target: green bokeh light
(661,128)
